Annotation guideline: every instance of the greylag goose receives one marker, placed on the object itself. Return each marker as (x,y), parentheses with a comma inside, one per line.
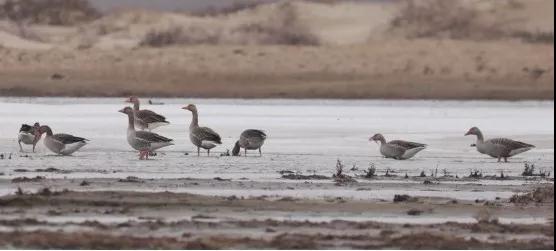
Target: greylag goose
(63,144)
(202,137)
(146,119)
(250,139)
(29,135)
(144,142)
(498,147)
(397,149)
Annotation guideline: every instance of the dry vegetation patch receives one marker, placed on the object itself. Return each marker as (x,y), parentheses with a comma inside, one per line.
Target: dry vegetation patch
(463,20)
(50,12)
(437,18)
(539,195)
(281,27)
(227,10)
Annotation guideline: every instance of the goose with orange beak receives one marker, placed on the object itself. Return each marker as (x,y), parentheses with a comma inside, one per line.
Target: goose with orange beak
(61,143)
(146,119)
(250,139)
(500,148)
(29,135)
(201,137)
(143,141)
(397,149)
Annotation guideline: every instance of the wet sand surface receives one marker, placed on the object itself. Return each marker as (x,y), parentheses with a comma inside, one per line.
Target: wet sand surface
(183,220)
(103,197)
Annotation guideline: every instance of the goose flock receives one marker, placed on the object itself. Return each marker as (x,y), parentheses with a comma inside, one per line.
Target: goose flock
(141,138)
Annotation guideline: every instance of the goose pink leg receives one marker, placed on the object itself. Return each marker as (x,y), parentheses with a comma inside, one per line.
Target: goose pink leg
(143,155)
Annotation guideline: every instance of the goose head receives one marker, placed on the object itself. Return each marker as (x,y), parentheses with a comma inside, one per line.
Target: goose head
(126,110)
(132,99)
(377,138)
(473,131)
(43,129)
(25,128)
(190,107)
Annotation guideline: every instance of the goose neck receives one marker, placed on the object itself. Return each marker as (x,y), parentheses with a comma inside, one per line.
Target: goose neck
(48,131)
(131,121)
(237,148)
(480,137)
(195,120)
(136,105)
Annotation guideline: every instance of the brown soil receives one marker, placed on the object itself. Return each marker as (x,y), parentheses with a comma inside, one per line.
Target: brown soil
(57,240)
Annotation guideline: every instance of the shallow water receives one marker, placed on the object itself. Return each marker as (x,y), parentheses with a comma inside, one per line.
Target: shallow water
(305,136)
(394,218)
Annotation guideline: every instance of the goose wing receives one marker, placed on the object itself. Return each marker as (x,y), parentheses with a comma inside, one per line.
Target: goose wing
(67,138)
(253,133)
(207,134)
(509,144)
(406,144)
(149,116)
(393,150)
(150,137)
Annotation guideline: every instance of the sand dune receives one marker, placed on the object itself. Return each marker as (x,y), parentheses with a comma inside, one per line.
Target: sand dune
(340,23)
(492,49)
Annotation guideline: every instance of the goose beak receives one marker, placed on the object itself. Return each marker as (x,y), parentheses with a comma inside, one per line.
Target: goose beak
(122,111)
(467,133)
(128,100)
(185,108)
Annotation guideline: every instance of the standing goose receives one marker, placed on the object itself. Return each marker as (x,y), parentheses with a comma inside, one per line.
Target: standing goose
(144,142)
(250,139)
(498,147)
(146,119)
(29,135)
(397,149)
(63,144)
(202,137)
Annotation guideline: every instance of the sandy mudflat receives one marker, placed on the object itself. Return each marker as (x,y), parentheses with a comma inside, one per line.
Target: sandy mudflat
(103,197)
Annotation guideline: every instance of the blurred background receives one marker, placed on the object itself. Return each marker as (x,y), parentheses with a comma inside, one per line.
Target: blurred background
(387,49)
